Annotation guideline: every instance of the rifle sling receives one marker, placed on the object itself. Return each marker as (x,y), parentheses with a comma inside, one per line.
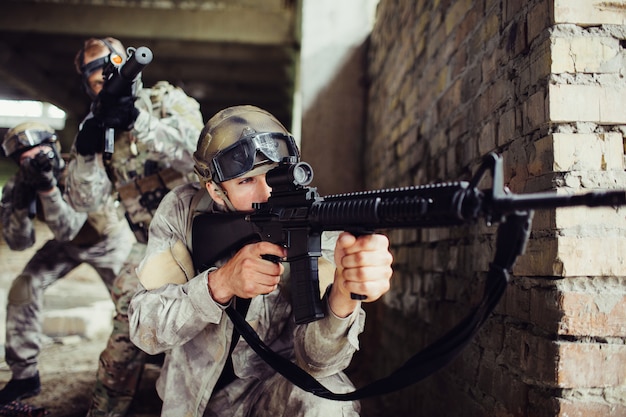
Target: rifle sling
(418,367)
(228,372)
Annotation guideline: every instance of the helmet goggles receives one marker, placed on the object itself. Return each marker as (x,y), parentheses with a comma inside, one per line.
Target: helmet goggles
(26,139)
(259,148)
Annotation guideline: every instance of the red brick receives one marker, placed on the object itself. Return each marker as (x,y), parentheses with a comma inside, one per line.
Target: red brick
(589,365)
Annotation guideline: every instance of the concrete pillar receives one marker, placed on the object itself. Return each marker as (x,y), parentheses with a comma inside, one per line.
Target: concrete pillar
(331,96)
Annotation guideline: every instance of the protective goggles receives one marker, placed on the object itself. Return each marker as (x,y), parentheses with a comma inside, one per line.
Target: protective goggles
(113,57)
(25,140)
(248,151)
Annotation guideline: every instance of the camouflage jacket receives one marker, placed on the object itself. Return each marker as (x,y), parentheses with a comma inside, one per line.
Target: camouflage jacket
(155,156)
(65,223)
(175,313)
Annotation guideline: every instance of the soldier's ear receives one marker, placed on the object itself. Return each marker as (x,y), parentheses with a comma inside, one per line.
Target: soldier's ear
(215,192)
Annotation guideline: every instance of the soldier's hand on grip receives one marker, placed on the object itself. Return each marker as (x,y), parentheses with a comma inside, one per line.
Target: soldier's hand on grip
(115,112)
(249,273)
(39,171)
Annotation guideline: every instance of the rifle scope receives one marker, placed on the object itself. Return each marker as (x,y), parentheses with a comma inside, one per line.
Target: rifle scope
(289,176)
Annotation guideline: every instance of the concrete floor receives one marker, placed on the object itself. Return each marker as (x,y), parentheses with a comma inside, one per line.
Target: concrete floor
(76,325)
(68,371)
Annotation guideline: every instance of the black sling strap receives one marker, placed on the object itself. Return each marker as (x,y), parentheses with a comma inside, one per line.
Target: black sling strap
(228,373)
(418,367)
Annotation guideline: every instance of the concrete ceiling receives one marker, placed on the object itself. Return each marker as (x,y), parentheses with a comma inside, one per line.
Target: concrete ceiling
(220,52)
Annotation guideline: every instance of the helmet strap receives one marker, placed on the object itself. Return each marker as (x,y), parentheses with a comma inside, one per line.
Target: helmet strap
(221,193)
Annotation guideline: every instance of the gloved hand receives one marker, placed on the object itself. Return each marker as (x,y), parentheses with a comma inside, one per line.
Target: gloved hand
(90,139)
(23,194)
(116,112)
(38,171)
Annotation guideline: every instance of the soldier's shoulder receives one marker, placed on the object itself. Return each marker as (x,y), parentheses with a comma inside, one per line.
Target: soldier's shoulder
(182,194)
(162,88)
(186,190)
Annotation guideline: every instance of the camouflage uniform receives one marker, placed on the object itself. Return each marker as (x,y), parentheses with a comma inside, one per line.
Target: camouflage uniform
(100,239)
(184,321)
(147,162)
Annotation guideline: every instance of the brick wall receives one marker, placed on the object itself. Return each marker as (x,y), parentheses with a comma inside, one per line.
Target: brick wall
(542,83)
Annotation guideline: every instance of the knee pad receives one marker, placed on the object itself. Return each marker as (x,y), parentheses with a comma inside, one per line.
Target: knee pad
(21,291)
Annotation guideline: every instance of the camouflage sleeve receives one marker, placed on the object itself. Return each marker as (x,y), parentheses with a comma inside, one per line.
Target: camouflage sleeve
(61,218)
(178,308)
(326,346)
(174,131)
(87,186)
(17,227)
(172,315)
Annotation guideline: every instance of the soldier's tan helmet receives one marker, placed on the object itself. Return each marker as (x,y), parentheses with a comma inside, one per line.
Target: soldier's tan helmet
(241,140)
(26,136)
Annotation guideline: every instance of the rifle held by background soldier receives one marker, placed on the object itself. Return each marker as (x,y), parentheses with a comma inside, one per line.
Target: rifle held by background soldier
(115,102)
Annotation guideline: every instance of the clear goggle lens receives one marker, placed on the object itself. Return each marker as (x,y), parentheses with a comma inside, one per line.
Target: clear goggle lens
(96,64)
(26,139)
(243,155)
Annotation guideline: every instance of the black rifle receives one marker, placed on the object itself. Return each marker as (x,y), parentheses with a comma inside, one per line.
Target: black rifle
(295,217)
(120,81)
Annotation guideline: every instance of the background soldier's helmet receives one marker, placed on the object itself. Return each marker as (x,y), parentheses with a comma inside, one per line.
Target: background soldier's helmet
(241,140)
(26,136)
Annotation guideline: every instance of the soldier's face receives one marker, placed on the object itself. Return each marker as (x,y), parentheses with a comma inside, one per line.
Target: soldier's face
(243,191)
(96,82)
(96,79)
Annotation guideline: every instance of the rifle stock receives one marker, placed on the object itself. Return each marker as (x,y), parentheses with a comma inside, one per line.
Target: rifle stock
(295,217)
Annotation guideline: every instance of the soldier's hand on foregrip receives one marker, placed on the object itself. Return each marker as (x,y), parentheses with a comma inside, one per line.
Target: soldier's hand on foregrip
(90,139)
(363,267)
(115,112)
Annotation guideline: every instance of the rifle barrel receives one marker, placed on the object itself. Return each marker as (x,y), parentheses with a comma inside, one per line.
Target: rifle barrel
(136,62)
(552,200)
(123,78)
